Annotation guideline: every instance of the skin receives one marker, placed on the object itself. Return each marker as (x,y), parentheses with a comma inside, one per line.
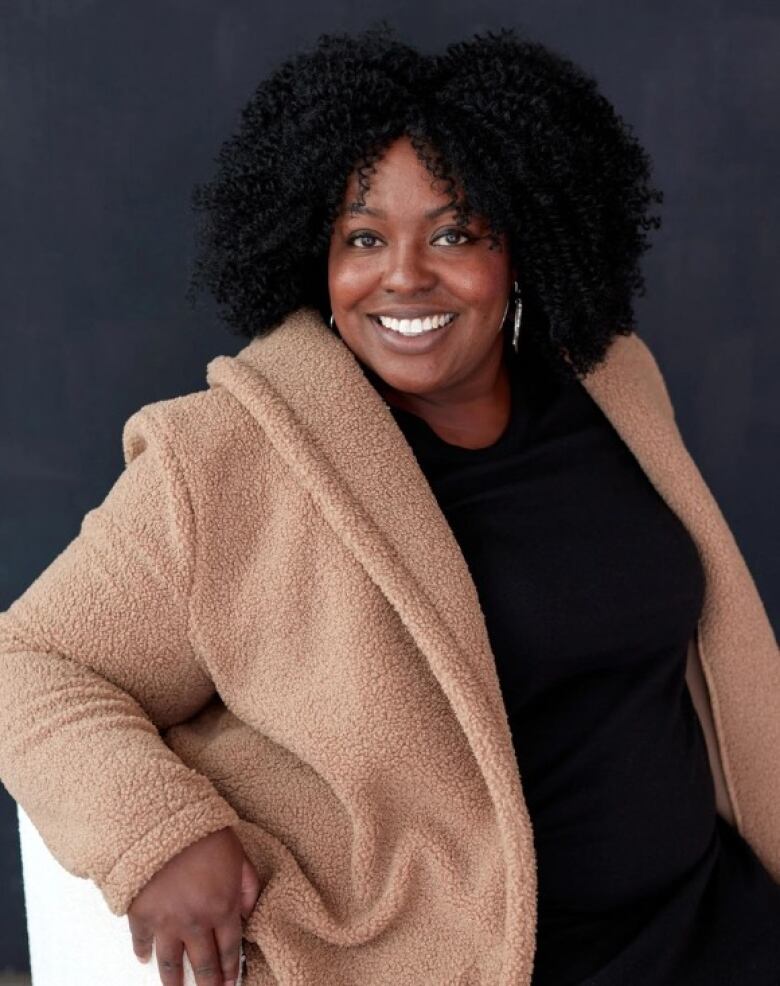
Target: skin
(195,903)
(460,387)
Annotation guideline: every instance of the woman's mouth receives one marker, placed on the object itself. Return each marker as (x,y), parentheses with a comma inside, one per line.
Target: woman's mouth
(410,336)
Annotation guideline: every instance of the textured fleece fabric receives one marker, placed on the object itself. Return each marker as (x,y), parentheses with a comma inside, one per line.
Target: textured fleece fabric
(267,623)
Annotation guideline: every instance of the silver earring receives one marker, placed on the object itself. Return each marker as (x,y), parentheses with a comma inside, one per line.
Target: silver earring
(518,316)
(331,319)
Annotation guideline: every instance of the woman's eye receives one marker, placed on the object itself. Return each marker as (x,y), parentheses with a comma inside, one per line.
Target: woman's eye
(447,232)
(361,236)
(455,232)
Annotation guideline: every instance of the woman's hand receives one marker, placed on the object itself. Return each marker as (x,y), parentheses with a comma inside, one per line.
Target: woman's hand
(196,902)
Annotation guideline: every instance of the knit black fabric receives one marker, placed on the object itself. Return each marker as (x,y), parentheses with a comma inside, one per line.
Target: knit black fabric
(591,588)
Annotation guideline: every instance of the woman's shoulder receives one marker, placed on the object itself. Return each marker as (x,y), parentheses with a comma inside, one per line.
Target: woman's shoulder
(631,364)
(207,434)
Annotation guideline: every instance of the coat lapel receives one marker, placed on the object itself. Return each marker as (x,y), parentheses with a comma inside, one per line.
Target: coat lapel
(305,388)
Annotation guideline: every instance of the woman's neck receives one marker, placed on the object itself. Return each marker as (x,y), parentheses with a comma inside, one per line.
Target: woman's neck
(473,422)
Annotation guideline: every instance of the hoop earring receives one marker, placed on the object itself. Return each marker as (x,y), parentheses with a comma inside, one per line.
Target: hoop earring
(518,316)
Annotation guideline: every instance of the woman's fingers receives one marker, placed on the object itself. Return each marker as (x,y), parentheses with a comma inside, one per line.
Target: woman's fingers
(170,960)
(250,888)
(203,953)
(214,955)
(143,938)
(228,938)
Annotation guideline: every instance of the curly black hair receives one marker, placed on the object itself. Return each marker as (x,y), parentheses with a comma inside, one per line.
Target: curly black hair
(519,129)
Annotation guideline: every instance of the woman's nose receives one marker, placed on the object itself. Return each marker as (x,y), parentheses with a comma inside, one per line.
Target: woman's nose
(407,268)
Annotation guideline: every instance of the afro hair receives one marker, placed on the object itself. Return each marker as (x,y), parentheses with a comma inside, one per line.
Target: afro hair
(519,134)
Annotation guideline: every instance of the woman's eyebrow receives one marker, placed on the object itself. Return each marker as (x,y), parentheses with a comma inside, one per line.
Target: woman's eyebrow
(381,214)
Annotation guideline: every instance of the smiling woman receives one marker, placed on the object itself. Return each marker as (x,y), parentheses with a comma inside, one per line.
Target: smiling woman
(376,663)
(412,201)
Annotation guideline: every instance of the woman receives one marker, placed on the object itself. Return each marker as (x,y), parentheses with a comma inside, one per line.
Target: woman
(374,658)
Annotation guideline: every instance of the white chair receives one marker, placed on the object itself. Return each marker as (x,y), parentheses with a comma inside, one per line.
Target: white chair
(74,938)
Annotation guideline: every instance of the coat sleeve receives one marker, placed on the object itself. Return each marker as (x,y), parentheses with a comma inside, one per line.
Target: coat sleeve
(96,659)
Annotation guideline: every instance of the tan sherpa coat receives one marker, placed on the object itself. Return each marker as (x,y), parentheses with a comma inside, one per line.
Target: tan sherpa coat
(268,623)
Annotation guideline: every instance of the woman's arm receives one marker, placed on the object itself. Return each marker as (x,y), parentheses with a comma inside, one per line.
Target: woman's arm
(95,658)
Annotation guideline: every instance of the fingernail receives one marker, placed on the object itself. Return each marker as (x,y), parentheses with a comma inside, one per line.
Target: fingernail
(230,982)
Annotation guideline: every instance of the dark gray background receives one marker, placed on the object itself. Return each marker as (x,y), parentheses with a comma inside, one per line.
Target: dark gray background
(109,112)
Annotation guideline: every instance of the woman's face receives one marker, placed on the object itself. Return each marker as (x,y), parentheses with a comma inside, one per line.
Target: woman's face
(403,256)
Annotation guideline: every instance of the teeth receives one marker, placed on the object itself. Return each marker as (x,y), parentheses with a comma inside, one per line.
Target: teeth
(416,326)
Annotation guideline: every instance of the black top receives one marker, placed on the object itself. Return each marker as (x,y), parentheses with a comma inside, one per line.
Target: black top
(591,588)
